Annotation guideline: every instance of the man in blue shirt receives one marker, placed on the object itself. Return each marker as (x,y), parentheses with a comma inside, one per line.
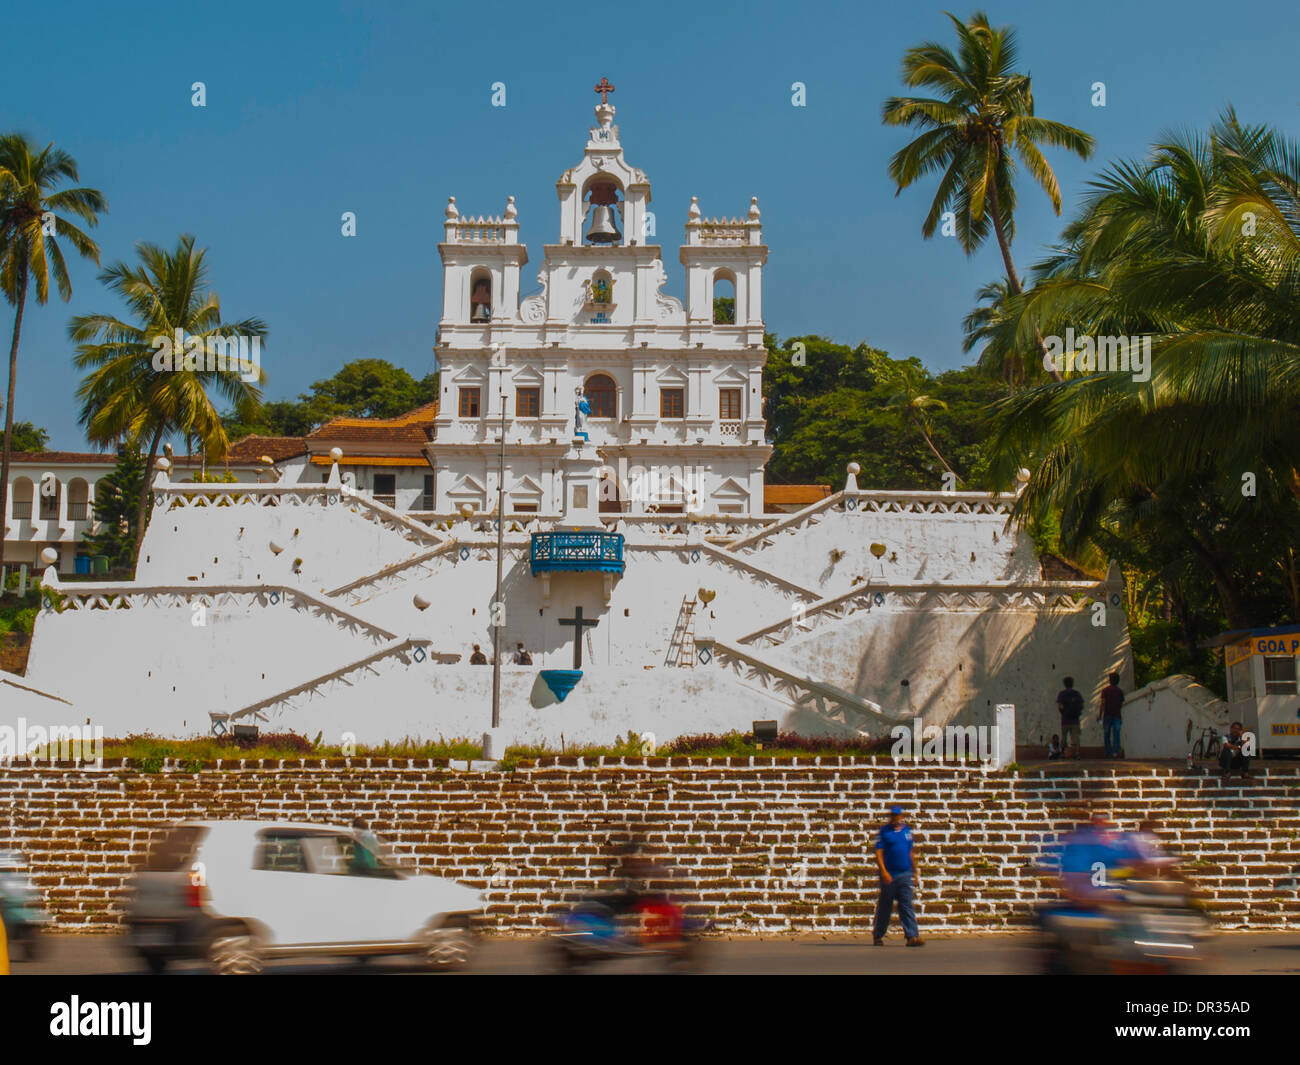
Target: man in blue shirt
(897,879)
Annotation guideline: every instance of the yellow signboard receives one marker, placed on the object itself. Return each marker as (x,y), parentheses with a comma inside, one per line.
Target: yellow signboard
(1287,644)
(1236,652)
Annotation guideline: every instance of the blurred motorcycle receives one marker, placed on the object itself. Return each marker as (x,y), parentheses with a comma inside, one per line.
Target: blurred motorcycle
(20,908)
(1143,926)
(650,926)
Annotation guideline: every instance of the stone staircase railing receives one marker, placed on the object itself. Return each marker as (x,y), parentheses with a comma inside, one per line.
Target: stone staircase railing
(718,556)
(1068,597)
(87,596)
(877,502)
(715,528)
(406,649)
(863,716)
(389,576)
(171,495)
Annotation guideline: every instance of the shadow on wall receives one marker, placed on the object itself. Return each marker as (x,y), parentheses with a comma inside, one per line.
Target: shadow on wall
(541,696)
(997,657)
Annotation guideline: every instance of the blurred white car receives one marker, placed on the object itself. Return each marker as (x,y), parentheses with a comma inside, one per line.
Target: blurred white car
(239,893)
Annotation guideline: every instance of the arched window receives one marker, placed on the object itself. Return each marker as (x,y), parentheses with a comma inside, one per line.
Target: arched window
(21,495)
(602,395)
(604,211)
(724,298)
(480,296)
(78,500)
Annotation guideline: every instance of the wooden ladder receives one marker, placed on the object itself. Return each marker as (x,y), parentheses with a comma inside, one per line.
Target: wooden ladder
(686,657)
(684,634)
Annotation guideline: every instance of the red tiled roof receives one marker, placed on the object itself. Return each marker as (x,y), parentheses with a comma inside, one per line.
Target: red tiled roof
(410,428)
(278,448)
(70,458)
(785,494)
(372,460)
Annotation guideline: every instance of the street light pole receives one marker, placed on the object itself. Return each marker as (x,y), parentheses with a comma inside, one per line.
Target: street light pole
(498,614)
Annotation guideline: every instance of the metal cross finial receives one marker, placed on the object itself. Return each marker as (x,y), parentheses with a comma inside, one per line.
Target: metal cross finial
(604,88)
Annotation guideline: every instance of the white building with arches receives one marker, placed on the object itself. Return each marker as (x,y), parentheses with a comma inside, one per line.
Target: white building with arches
(674,391)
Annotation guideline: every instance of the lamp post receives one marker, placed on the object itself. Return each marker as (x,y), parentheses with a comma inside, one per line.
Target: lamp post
(498,615)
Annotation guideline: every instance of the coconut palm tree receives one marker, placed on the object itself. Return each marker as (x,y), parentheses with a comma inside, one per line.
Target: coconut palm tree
(123,397)
(1198,250)
(34,213)
(981,123)
(993,323)
(913,406)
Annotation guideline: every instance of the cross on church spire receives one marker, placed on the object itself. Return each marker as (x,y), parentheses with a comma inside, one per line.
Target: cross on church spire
(604,88)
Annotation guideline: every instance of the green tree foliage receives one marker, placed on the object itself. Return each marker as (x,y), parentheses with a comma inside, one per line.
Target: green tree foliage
(35,226)
(829,405)
(123,396)
(27,437)
(981,122)
(363,388)
(116,499)
(1190,478)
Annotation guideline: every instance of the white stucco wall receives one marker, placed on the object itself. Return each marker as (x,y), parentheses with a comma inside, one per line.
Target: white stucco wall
(1165,718)
(929,547)
(152,669)
(214,544)
(960,665)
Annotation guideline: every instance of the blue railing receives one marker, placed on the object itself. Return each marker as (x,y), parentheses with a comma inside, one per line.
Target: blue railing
(599,552)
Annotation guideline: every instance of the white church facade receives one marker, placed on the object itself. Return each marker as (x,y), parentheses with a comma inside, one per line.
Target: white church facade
(313,601)
(673,392)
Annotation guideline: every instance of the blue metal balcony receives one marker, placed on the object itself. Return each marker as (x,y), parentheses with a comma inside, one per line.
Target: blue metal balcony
(577,552)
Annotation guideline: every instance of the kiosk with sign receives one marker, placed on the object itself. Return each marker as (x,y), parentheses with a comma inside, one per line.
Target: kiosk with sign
(1262,667)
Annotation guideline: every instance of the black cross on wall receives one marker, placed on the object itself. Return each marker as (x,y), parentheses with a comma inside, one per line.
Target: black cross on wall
(578,624)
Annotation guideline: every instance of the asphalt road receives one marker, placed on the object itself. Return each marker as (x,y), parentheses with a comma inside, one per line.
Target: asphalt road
(1235,953)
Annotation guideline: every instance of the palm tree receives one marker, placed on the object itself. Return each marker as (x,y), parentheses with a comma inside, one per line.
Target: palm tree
(1197,249)
(989,323)
(123,397)
(913,407)
(33,215)
(983,121)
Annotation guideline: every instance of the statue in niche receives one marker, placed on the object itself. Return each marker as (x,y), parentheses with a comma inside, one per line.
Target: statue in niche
(581,412)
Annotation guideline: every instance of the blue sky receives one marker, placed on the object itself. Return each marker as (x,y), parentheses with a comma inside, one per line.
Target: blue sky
(384,109)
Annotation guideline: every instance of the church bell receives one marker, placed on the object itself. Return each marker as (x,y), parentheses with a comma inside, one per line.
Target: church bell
(603,229)
(481,313)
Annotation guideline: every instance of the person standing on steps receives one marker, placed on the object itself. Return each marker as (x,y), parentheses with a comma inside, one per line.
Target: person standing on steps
(1070,703)
(897,879)
(1110,712)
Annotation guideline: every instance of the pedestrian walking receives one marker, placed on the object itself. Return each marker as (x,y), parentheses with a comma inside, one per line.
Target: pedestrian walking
(897,879)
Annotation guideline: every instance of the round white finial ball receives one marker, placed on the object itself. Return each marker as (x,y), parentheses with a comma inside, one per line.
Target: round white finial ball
(854,469)
(452,210)
(336,453)
(163,464)
(420,602)
(1023,475)
(49,556)
(466,510)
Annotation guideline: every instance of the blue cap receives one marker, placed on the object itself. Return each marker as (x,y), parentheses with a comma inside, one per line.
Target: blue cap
(895,809)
